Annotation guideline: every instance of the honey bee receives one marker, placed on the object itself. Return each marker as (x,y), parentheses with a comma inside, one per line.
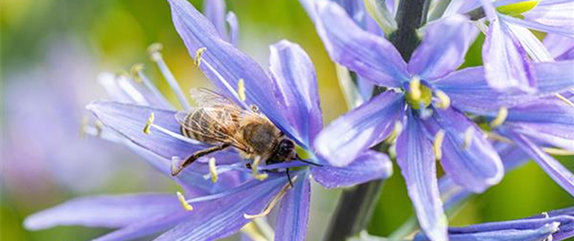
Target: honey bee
(220,122)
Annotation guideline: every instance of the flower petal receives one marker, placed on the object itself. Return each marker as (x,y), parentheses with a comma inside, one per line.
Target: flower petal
(147,226)
(103,211)
(369,166)
(295,84)
(469,91)
(452,194)
(561,48)
(225,65)
(506,63)
(551,166)
(564,31)
(214,10)
(371,56)
(358,130)
(553,14)
(294,211)
(225,216)
(517,230)
(417,162)
(129,120)
(474,165)
(443,47)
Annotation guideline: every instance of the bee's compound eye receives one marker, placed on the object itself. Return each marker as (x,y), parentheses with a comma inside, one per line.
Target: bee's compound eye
(286,147)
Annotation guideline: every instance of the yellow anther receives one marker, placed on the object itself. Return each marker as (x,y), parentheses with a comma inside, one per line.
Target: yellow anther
(241,89)
(444,100)
(468,134)
(415,89)
(99,127)
(397,129)
(393,151)
(500,117)
(198,54)
(250,230)
(497,137)
(154,51)
(147,126)
(183,202)
(567,101)
(437,144)
(255,172)
(545,214)
(83,126)
(272,203)
(213,169)
(134,71)
(558,151)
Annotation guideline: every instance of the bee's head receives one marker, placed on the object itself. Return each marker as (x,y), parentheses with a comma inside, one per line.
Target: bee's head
(285,151)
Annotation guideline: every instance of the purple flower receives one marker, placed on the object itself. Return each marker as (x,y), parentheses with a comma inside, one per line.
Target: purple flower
(554,225)
(509,44)
(287,96)
(427,97)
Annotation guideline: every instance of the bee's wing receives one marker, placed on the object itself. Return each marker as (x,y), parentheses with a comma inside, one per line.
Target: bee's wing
(212,125)
(209,98)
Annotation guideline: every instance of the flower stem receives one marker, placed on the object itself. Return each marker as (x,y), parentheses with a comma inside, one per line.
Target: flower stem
(356,205)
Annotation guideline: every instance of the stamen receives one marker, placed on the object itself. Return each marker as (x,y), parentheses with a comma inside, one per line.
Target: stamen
(224,81)
(500,117)
(497,137)
(444,100)
(175,135)
(272,203)
(468,134)
(557,151)
(545,214)
(437,144)
(184,203)
(397,129)
(134,72)
(154,51)
(213,170)
(147,126)
(561,97)
(415,89)
(393,151)
(83,126)
(255,171)
(241,89)
(99,127)
(139,75)
(251,231)
(198,54)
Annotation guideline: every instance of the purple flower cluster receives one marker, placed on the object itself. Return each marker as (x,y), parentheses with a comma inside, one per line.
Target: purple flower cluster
(478,122)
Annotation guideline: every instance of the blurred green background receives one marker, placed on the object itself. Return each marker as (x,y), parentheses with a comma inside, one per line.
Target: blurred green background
(51,53)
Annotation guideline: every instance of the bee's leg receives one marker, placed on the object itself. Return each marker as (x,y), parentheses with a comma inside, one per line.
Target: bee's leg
(289,177)
(177,169)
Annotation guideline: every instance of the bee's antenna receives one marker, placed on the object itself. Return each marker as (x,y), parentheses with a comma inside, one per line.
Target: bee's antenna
(289,177)
(310,162)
